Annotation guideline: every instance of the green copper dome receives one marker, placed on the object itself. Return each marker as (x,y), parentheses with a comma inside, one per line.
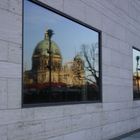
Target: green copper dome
(42,48)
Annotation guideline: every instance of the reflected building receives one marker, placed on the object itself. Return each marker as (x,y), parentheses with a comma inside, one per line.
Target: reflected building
(136,82)
(70,74)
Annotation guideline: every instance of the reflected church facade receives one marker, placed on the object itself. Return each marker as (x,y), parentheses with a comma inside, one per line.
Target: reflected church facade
(69,74)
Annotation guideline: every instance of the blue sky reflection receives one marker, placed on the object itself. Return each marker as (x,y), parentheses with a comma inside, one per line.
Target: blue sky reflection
(68,35)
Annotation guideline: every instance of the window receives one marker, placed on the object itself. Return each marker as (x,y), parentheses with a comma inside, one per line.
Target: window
(136,73)
(61,62)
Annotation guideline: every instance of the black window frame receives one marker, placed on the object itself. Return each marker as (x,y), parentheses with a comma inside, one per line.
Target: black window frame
(37,2)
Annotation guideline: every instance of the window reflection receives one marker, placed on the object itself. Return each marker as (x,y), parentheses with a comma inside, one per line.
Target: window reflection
(62,67)
(136,73)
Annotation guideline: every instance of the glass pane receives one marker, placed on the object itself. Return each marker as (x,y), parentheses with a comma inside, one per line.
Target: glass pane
(136,73)
(60,60)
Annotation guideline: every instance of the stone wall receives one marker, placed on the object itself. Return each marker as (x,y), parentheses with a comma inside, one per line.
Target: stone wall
(119,22)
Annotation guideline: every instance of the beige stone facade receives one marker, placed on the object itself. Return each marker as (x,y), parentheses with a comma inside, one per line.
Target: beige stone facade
(119,21)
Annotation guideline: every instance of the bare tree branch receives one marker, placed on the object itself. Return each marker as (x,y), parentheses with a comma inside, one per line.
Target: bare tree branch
(89,53)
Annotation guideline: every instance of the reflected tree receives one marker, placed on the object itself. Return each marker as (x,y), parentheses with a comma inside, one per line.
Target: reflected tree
(90,54)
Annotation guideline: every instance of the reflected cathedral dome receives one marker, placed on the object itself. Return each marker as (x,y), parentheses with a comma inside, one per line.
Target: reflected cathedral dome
(43,46)
(70,73)
(40,57)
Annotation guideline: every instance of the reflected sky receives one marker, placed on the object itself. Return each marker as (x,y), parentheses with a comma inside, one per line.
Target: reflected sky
(69,36)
